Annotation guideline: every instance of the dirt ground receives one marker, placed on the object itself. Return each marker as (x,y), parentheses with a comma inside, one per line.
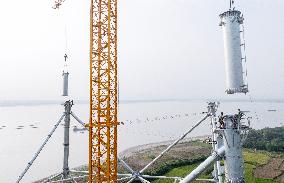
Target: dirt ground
(140,156)
(275,164)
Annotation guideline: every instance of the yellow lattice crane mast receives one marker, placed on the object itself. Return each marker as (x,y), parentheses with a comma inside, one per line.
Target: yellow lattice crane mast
(103,91)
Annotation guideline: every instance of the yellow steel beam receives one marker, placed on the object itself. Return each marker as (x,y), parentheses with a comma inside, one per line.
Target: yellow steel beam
(103,92)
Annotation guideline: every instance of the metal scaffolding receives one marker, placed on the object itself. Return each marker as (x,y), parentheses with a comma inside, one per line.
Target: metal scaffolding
(103,92)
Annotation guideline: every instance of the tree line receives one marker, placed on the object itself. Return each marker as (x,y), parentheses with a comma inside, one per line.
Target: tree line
(269,139)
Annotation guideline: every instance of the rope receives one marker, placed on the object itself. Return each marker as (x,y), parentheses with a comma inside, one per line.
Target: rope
(66,49)
(66,37)
(65,67)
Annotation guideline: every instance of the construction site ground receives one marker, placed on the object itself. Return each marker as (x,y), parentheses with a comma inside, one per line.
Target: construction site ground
(260,166)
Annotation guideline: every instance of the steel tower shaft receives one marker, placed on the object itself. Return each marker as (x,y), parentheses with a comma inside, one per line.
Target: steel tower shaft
(103,92)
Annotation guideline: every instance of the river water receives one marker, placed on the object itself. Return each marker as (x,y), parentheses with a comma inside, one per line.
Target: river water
(23,129)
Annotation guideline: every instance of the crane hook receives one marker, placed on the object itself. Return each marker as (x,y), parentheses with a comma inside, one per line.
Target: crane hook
(65,57)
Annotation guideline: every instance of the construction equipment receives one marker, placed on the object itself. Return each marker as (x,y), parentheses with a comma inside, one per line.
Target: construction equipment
(103,91)
(104,96)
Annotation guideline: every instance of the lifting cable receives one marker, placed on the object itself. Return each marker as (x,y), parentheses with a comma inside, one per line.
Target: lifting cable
(66,49)
(63,21)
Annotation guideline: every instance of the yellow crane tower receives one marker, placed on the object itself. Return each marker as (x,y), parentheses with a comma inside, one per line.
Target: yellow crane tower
(103,91)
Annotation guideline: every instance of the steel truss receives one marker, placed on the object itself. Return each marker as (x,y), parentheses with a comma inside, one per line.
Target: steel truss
(133,175)
(103,92)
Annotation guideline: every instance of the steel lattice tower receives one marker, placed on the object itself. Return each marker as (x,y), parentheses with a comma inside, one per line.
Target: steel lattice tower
(103,92)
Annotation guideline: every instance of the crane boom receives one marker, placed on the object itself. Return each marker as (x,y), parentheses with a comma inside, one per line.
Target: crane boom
(103,92)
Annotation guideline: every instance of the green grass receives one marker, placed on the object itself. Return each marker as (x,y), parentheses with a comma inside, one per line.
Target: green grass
(249,173)
(258,158)
(252,160)
(181,172)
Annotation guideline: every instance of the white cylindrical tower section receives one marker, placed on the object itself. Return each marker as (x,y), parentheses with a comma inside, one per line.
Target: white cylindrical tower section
(234,165)
(65,83)
(230,23)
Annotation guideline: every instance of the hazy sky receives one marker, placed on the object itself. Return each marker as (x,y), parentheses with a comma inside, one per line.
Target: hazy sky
(167,48)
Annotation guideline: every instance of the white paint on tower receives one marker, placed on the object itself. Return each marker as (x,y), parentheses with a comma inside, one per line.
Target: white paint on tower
(230,23)
(234,163)
(65,83)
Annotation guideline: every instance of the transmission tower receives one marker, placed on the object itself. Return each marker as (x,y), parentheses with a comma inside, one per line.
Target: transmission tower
(103,92)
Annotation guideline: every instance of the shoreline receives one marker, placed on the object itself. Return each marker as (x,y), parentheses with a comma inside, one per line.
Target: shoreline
(259,165)
(128,152)
(138,156)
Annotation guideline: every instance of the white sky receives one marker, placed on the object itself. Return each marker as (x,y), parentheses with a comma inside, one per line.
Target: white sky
(167,48)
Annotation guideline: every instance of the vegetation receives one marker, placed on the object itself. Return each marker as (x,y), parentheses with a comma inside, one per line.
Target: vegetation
(182,172)
(252,160)
(169,166)
(249,172)
(257,159)
(269,139)
(263,158)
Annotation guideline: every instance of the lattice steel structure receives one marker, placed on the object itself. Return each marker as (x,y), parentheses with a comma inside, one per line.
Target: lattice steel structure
(103,92)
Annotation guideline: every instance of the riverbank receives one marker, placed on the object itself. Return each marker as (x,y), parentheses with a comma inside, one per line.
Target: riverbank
(188,151)
(260,166)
